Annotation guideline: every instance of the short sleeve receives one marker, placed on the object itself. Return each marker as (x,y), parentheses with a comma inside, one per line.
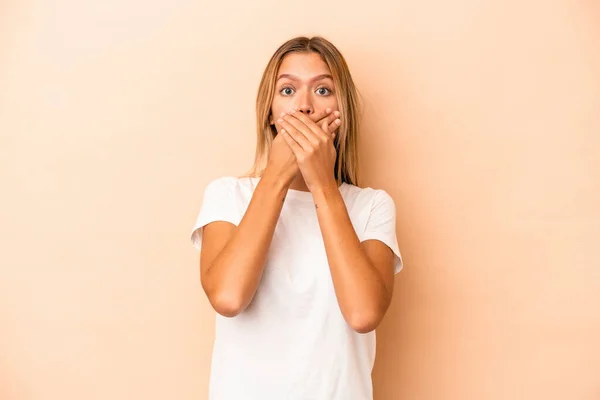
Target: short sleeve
(381,225)
(219,203)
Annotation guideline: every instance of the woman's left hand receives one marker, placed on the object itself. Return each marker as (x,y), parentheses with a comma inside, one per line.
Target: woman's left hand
(313,146)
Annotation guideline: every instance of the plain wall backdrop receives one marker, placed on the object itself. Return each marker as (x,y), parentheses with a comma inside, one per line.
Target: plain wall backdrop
(482,120)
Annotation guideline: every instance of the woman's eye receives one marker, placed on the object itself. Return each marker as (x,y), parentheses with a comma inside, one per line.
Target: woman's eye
(287,91)
(323,91)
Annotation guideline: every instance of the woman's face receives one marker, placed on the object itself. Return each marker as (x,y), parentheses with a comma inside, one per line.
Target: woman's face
(303,83)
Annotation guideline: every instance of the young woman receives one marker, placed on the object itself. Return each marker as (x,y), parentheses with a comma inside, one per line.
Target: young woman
(296,259)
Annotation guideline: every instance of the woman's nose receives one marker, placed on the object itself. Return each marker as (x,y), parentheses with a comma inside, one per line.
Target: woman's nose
(306,109)
(304,102)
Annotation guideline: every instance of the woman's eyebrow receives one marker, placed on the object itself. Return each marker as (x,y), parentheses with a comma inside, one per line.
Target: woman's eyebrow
(295,78)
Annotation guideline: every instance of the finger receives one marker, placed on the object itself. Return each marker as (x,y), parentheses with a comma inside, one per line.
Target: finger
(333,122)
(292,143)
(329,118)
(321,115)
(332,128)
(311,125)
(325,127)
(298,136)
(301,128)
(277,120)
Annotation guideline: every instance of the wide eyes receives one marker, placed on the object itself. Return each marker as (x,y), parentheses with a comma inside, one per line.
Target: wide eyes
(289,91)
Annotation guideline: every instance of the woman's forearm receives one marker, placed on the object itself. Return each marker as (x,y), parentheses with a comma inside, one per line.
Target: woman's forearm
(362,295)
(232,278)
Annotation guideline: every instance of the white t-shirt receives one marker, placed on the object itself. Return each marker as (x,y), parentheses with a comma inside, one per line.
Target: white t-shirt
(292,342)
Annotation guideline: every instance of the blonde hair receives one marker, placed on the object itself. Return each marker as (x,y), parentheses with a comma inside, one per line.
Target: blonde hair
(346,139)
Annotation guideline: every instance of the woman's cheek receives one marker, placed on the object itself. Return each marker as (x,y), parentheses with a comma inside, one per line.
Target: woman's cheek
(278,108)
(328,103)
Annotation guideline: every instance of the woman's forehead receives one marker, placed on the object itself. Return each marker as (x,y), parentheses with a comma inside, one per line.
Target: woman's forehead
(303,65)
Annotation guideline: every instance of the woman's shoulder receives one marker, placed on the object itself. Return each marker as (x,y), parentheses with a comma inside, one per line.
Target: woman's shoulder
(232,180)
(232,184)
(363,191)
(365,197)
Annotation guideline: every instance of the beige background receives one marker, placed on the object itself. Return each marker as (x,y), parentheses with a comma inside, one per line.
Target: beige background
(482,121)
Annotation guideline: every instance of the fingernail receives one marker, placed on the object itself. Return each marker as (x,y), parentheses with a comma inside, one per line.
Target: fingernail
(280,120)
(337,113)
(293,111)
(337,121)
(328,110)
(282,114)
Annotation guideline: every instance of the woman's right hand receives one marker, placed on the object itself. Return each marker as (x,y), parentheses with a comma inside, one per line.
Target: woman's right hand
(282,161)
(282,164)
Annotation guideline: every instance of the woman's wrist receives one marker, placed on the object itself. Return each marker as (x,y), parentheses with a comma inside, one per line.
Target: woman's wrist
(326,192)
(276,182)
